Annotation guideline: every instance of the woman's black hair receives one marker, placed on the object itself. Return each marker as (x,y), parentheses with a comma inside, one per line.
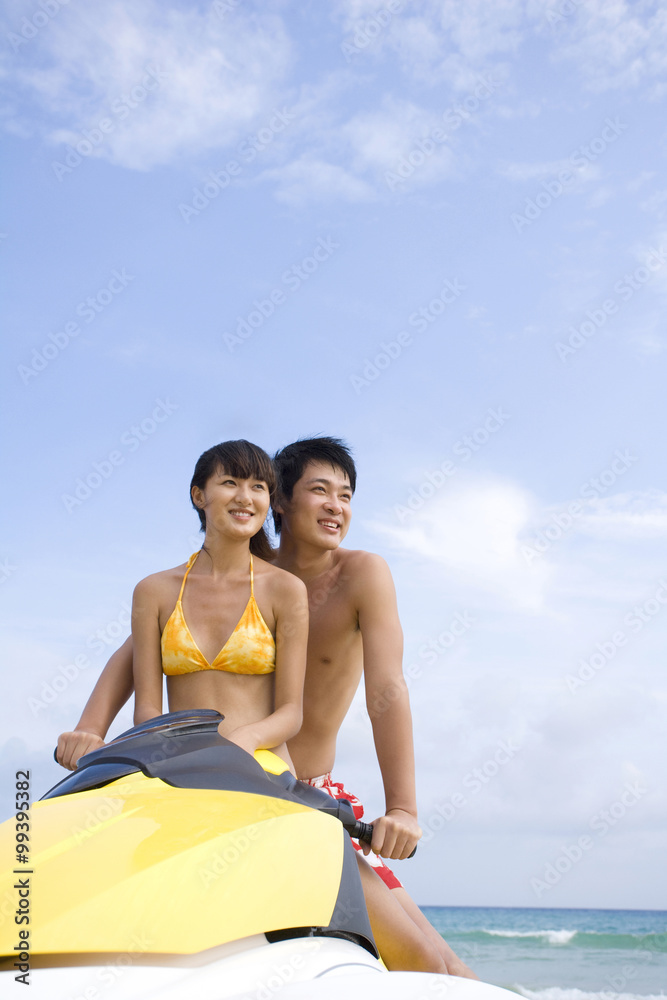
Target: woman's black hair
(242,460)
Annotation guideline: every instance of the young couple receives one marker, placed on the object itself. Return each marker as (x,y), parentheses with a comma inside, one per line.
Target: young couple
(282,639)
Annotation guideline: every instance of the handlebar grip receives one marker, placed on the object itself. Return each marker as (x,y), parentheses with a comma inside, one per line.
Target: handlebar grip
(363,832)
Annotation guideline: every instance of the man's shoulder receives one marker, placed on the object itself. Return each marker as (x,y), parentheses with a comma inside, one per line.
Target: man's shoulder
(285,581)
(363,567)
(360,558)
(371,588)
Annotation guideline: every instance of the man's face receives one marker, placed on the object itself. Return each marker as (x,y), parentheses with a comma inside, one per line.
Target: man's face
(319,511)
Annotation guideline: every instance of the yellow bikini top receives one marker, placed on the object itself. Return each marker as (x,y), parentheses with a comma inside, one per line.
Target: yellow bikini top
(250,648)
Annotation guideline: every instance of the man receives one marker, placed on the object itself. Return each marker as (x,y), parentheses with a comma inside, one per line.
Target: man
(354,629)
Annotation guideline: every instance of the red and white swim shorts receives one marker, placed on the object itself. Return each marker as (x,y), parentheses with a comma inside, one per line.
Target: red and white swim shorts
(336,790)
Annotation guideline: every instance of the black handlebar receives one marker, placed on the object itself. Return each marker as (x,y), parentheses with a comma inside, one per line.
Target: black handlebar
(131,750)
(363,832)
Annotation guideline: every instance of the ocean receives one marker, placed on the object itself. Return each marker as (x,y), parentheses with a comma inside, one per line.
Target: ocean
(561,954)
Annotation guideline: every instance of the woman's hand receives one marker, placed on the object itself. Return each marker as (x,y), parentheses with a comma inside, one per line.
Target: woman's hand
(244,737)
(72,746)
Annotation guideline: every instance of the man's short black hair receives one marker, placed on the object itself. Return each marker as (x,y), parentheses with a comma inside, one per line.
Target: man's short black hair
(291,460)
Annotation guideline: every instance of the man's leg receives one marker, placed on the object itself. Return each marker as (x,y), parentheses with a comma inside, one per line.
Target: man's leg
(386,920)
(402,945)
(455,966)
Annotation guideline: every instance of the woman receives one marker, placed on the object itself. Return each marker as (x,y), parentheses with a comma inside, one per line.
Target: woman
(227,629)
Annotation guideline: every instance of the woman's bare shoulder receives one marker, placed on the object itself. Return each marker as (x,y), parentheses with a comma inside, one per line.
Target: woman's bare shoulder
(158,583)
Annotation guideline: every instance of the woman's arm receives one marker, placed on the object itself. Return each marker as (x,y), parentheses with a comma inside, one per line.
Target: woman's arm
(114,687)
(147,657)
(291,611)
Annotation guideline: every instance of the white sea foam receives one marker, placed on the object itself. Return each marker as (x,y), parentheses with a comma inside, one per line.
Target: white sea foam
(551,937)
(558,993)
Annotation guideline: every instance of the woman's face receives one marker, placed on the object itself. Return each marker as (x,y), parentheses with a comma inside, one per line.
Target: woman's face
(233,506)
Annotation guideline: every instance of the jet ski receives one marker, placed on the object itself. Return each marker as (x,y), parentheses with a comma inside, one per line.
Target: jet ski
(171,864)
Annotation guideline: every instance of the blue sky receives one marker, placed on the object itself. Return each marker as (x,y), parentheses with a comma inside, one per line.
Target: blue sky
(436,230)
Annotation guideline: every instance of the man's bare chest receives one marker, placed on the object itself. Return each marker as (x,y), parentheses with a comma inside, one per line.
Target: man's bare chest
(333,622)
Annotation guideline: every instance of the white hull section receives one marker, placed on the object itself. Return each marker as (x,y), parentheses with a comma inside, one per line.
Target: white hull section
(252,969)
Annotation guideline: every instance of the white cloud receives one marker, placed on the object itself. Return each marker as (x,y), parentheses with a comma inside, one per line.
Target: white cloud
(351,159)
(473,529)
(637,182)
(616,44)
(522,172)
(379,140)
(210,79)
(626,515)
(309,178)
(435,41)
(610,44)
(222,75)
(382,136)
(654,254)
(600,197)
(648,343)
(482,532)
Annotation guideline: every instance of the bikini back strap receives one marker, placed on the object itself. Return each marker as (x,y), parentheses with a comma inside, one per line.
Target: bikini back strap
(252,588)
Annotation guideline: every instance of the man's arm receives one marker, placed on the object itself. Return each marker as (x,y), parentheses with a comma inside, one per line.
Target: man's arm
(397,832)
(114,686)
